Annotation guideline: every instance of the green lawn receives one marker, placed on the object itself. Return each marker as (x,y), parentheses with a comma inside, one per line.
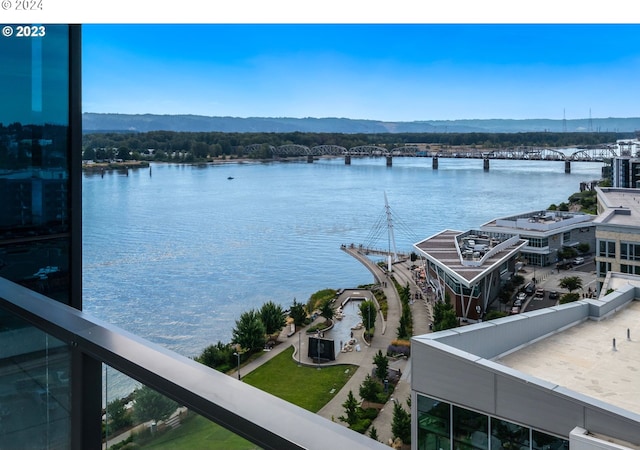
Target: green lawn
(196,432)
(307,387)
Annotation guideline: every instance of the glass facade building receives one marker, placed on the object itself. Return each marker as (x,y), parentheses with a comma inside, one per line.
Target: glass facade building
(443,426)
(39,137)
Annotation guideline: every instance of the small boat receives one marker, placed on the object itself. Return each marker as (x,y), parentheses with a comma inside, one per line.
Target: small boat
(229,178)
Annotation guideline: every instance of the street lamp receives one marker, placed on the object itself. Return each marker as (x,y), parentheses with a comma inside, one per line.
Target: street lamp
(299,347)
(238,355)
(369,321)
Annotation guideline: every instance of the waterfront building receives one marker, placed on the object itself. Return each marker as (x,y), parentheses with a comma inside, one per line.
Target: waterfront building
(625,172)
(53,353)
(617,232)
(469,267)
(547,233)
(555,378)
(625,168)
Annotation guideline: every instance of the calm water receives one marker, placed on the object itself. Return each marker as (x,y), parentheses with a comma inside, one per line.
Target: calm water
(176,254)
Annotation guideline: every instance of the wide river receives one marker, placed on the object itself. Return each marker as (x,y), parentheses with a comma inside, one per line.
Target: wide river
(176,253)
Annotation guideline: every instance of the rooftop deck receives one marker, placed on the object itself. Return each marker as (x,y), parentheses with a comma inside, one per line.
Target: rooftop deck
(582,358)
(453,249)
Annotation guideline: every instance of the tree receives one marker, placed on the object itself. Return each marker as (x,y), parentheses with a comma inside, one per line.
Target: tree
(373,434)
(370,389)
(151,405)
(572,283)
(118,415)
(298,313)
(326,310)
(273,317)
(89,154)
(124,154)
(401,423)
(249,332)
(351,409)
(583,248)
(405,328)
(517,280)
(444,316)
(567,253)
(381,361)
(368,314)
(218,356)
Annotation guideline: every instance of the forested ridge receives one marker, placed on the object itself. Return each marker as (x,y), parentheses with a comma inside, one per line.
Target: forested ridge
(194,146)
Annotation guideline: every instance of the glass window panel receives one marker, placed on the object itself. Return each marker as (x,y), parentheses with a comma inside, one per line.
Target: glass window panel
(34,387)
(509,436)
(624,250)
(607,249)
(603,268)
(136,413)
(470,429)
(543,441)
(34,164)
(434,424)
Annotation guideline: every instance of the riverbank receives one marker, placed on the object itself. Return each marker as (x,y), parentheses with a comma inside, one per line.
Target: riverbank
(117,165)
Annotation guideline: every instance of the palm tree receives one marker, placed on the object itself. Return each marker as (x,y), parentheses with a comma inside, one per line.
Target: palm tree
(571,283)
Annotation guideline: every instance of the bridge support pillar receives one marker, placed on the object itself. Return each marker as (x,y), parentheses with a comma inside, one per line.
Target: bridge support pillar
(485,165)
(567,166)
(389,161)
(309,159)
(347,159)
(434,162)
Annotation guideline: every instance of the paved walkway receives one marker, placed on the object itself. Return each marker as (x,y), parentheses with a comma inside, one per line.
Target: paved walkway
(422,317)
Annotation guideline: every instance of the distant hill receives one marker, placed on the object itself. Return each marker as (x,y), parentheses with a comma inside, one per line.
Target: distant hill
(95,122)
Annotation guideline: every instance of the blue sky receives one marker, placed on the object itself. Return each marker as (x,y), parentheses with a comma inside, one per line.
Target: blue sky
(389,72)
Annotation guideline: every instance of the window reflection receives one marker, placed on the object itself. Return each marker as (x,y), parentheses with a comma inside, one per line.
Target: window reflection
(34,233)
(433,424)
(137,416)
(508,436)
(542,441)
(34,387)
(442,426)
(34,169)
(470,429)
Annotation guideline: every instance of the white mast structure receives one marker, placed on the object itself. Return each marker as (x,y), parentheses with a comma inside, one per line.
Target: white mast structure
(391,237)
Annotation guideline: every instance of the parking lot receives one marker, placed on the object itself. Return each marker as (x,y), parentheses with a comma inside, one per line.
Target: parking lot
(549,281)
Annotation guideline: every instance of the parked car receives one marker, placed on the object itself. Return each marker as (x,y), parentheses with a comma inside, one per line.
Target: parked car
(521,297)
(564,265)
(530,288)
(517,303)
(539,295)
(553,295)
(578,260)
(515,310)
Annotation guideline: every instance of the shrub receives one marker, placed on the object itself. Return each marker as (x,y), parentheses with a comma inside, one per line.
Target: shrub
(395,350)
(361,425)
(495,315)
(568,298)
(368,413)
(383,397)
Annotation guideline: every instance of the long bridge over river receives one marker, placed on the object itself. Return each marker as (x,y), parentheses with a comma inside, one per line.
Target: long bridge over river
(595,154)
